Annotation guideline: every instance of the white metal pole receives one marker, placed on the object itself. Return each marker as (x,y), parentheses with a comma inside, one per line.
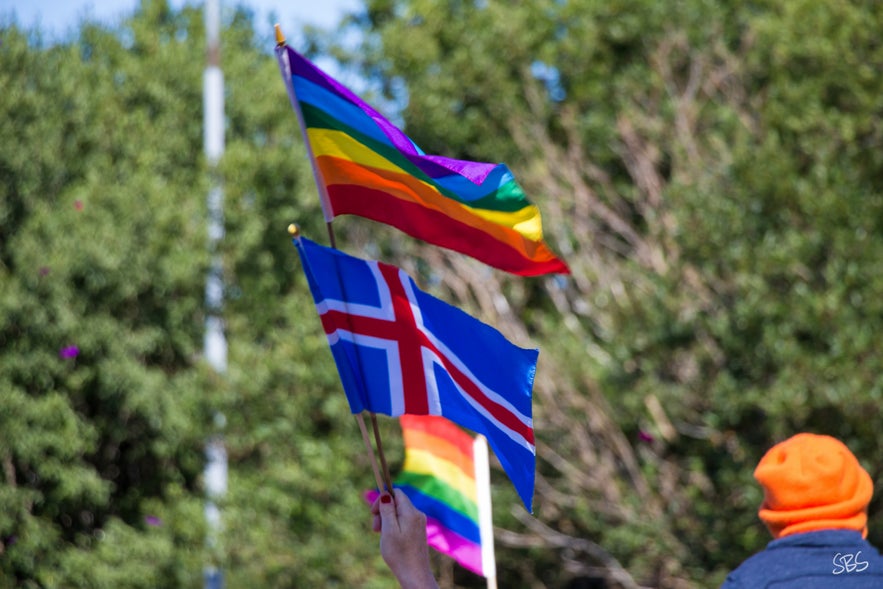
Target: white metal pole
(214,343)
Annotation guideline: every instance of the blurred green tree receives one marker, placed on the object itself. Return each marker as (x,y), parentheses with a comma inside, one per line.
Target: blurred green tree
(106,402)
(710,172)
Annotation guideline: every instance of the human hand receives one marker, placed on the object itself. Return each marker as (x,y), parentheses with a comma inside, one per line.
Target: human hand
(403,544)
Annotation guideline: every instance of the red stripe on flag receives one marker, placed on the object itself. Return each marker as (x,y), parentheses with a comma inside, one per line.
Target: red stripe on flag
(528,258)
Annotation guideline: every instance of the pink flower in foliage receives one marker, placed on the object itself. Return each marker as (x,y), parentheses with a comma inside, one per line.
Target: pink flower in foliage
(68,352)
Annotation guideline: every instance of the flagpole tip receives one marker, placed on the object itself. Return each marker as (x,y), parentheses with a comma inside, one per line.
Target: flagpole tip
(293,230)
(280,38)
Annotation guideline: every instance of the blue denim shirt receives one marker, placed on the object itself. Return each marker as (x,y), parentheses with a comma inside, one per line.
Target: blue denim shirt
(826,559)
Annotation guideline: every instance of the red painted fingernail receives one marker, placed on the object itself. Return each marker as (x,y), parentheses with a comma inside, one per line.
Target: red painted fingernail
(385,499)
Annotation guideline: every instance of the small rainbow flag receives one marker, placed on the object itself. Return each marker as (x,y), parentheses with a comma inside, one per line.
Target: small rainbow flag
(364,165)
(446,476)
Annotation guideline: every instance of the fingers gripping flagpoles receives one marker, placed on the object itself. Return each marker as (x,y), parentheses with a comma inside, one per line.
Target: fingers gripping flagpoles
(445,474)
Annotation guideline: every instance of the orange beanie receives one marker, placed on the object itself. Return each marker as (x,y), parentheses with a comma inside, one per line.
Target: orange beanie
(813,482)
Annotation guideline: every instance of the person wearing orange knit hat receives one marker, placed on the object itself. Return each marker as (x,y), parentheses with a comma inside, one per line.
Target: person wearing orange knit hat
(816,497)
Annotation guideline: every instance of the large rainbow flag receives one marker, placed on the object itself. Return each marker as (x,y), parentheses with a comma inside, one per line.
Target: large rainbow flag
(364,165)
(446,476)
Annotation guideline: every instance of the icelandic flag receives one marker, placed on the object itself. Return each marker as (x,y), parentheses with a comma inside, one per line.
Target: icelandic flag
(400,351)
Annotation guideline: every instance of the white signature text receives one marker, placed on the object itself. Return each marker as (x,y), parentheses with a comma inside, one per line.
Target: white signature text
(848,563)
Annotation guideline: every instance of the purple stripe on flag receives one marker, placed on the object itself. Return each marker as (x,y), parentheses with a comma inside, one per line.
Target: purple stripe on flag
(435,166)
(467,553)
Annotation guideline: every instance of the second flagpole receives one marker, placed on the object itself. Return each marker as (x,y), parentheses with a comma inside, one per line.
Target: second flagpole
(387,479)
(384,480)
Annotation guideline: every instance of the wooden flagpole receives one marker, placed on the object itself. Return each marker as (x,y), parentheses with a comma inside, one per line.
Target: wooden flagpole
(386,480)
(381,481)
(361,421)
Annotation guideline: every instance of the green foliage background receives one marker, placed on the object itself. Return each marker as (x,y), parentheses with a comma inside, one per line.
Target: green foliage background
(710,170)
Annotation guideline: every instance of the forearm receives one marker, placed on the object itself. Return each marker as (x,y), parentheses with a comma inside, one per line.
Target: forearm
(422,579)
